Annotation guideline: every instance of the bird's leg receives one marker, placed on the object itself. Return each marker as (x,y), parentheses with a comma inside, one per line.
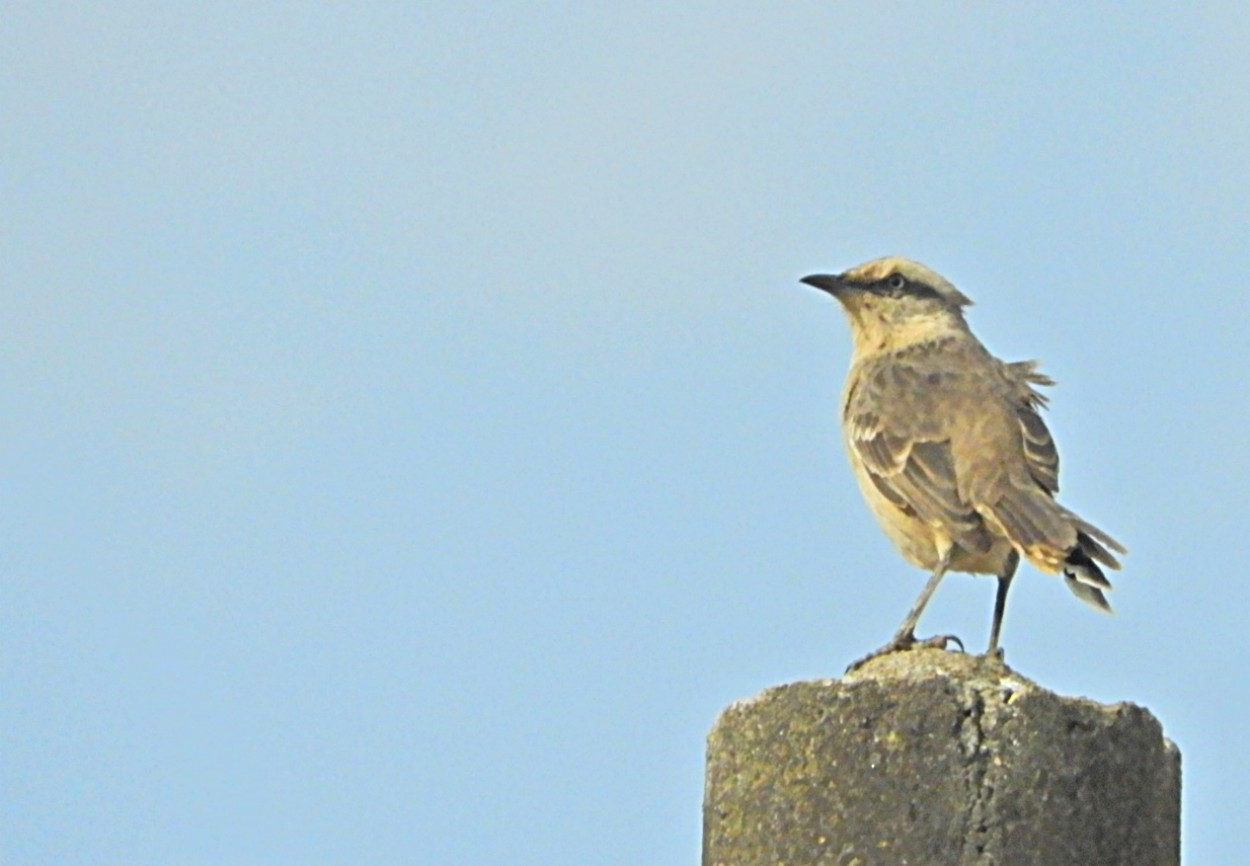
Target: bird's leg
(906,634)
(1000,601)
(905,637)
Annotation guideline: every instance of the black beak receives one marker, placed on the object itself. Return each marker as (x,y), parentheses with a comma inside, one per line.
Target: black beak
(825,282)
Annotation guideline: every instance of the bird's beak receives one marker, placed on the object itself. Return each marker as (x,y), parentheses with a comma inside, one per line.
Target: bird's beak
(826,283)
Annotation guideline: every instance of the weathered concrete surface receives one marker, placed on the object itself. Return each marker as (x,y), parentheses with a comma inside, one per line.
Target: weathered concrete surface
(934,757)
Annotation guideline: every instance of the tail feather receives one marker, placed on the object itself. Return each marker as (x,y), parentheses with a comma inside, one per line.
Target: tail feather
(1096,551)
(1088,594)
(1037,525)
(1095,541)
(1085,578)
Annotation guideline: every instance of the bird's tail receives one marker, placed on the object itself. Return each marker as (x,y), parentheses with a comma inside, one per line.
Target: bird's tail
(1085,579)
(1080,566)
(1042,530)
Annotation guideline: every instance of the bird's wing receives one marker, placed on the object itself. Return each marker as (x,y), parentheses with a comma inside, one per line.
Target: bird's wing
(1039,447)
(896,433)
(1019,501)
(956,442)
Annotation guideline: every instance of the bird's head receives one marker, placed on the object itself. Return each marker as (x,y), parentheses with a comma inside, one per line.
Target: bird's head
(894,302)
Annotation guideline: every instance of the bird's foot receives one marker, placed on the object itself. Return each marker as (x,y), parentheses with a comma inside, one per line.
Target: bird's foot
(908,641)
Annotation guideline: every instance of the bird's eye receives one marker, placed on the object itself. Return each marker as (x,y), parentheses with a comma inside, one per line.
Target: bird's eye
(898,281)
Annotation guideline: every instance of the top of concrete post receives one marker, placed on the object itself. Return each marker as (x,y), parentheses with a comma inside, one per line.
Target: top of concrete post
(934,757)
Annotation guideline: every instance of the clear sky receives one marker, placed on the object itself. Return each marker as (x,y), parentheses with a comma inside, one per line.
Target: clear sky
(415,432)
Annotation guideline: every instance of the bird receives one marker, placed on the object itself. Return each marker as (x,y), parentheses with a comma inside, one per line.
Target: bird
(948,445)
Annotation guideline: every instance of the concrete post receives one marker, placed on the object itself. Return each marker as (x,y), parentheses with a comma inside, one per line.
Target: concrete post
(934,757)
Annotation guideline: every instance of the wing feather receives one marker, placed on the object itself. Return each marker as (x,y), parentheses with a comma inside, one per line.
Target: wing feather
(907,458)
(1039,448)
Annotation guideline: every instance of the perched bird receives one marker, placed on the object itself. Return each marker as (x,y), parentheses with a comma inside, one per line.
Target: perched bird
(948,446)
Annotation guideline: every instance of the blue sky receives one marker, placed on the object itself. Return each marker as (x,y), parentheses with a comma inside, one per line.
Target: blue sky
(415,432)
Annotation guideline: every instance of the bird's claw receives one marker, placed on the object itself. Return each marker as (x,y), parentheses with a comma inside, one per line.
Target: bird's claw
(938,641)
(908,641)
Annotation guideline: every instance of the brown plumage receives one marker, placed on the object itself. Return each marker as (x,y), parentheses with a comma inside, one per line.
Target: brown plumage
(948,444)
